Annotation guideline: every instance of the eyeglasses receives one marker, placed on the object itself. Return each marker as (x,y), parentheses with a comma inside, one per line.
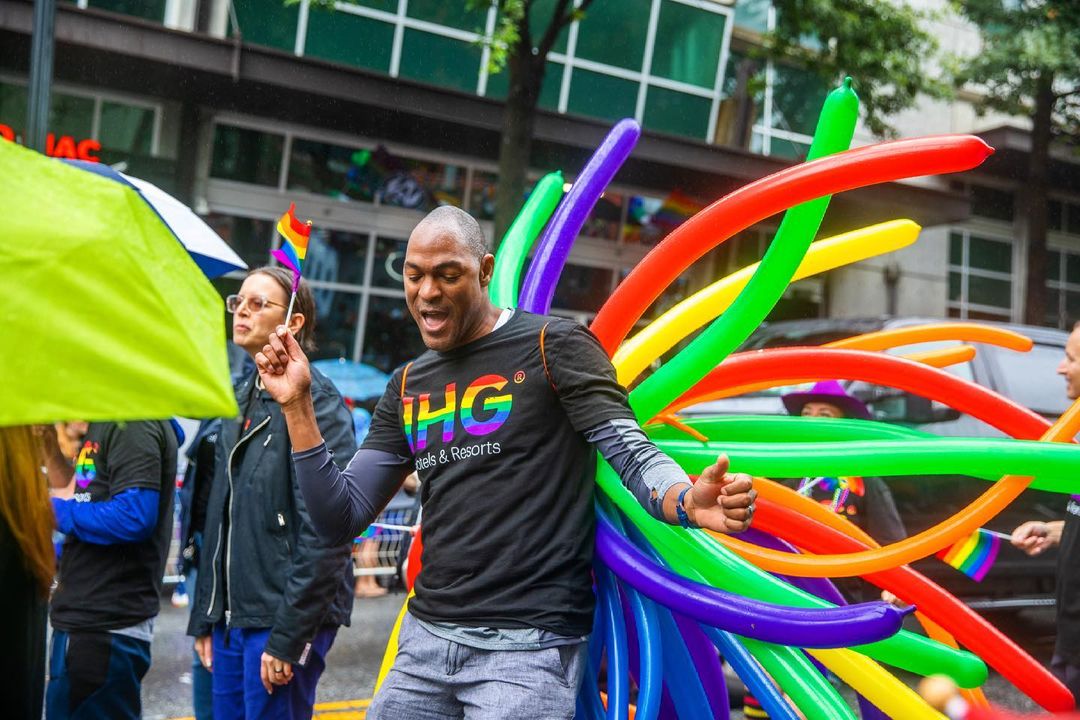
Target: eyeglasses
(255,303)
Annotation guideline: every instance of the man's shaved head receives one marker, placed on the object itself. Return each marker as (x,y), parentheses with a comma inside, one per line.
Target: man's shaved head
(450,220)
(447,273)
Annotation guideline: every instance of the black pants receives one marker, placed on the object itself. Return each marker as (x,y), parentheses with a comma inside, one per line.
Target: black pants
(96,675)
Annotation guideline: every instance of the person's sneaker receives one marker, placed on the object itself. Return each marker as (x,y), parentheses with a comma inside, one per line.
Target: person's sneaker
(180,599)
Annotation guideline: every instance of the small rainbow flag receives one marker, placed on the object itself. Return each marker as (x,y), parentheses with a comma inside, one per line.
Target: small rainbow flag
(294,249)
(678,207)
(974,555)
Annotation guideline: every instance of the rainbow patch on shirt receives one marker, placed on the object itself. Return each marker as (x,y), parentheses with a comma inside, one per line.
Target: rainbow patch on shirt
(85,469)
(481,411)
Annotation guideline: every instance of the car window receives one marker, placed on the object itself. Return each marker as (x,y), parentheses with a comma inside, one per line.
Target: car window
(1031,378)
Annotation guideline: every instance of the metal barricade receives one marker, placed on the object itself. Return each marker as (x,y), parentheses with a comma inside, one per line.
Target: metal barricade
(381,549)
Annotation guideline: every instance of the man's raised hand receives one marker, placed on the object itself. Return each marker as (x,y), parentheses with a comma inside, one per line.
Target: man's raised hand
(283,368)
(720,500)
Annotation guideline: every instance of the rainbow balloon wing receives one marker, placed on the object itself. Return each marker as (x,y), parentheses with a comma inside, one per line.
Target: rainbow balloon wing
(294,249)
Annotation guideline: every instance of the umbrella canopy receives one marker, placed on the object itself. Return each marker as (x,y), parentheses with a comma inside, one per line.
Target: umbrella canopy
(212,254)
(108,318)
(353,380)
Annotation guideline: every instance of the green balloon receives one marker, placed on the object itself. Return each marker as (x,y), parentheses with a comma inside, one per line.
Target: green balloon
(784,428)
(519,239)
(787,666)
(835,128)
(1055,466)
(720,567)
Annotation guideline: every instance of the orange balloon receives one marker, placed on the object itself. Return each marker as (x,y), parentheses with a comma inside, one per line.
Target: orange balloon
(964,332)
(934,358)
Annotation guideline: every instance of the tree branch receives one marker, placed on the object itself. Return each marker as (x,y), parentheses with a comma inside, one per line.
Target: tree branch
(559,19)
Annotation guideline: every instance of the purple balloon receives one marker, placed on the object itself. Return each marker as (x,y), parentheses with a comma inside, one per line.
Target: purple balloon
(554,246)
(836,627)
(821,587)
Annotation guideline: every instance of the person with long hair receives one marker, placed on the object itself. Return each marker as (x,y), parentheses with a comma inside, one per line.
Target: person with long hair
(26,570)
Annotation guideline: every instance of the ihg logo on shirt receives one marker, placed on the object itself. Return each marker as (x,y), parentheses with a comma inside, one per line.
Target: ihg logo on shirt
(482,411)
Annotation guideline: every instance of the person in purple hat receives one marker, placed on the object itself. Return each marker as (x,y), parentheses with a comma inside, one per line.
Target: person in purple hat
(865,501)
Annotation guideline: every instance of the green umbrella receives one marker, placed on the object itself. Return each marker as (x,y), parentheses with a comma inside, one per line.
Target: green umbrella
(108,317)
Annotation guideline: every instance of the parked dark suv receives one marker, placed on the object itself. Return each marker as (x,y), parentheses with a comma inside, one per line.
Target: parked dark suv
(1015,581)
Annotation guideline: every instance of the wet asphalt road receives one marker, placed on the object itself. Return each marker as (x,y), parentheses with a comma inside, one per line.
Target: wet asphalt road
(357,653)
(351,666)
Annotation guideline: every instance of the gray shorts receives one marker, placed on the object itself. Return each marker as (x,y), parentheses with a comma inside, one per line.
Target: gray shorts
(436,678)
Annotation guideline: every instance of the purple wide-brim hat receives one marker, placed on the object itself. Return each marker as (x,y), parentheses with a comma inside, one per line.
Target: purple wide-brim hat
(827,391)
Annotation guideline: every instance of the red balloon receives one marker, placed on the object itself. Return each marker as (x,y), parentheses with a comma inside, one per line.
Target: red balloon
(830,363)
(750,204)
(415,551)
(931,599)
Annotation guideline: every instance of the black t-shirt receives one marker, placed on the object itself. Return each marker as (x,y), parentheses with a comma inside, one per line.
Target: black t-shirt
(1068,585)
(108,587)
(506,473)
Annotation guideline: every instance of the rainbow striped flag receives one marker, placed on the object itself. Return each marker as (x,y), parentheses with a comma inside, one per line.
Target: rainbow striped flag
(974,555)
(294,249)
(678,207)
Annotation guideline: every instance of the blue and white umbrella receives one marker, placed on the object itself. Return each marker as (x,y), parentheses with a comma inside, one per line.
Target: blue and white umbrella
(212,254)
(353,380)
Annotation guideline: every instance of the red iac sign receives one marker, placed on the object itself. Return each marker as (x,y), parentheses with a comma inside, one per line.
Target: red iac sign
(64,146)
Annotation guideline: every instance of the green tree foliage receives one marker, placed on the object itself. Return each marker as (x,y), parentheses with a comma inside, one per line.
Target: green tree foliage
(1029,64)
(882,44)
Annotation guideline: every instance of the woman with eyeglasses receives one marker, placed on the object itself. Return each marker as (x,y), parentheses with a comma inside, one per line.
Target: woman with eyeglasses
(269,597)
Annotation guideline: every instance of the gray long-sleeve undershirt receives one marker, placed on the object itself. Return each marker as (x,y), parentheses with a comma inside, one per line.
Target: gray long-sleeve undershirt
(343,503)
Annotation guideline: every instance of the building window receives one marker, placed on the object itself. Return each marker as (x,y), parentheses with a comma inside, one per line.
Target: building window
(753,14)
(338,313)
(71,115)
(246,155)
(350,39)
(498,85)
(980,277)
(336,256)
(601,95)
(252,239)
(127,128)
(688,43)
(145,9)
(440,60)
(391,337)
(614,33)
(436,42)
(583,288)
(676,112)
(340,172)
(991,203)
(1062,288)
(266,22)
(482,194)
(1063,217)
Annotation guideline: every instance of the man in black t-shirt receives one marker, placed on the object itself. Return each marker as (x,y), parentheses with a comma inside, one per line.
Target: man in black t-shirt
(116,511)
(501,418)
(1036,536)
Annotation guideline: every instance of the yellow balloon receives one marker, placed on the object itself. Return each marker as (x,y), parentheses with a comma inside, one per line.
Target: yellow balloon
(391,645)
(662,334)
(870,680)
